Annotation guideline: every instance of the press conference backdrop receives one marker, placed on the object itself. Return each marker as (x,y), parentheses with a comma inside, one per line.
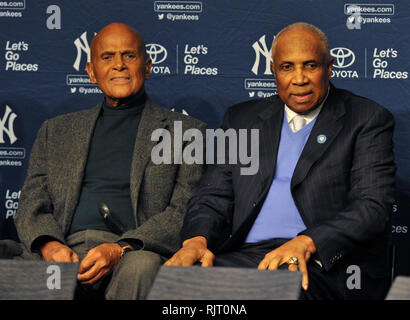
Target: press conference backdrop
(207,55)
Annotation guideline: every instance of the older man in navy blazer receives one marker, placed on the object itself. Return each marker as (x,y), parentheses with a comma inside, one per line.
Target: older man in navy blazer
(321,200)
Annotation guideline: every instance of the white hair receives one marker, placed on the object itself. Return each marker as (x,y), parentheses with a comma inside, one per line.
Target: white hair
(322,37)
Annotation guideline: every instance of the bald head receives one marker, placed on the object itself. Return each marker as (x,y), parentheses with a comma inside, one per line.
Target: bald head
(113,30)
(119,64)
(309,30)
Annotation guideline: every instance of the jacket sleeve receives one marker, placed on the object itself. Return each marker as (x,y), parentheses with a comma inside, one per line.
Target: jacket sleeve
(210,210)
(371,195)
(160,233)
(34,218)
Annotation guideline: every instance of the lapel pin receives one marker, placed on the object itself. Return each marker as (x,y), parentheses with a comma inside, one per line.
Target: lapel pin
(321,139)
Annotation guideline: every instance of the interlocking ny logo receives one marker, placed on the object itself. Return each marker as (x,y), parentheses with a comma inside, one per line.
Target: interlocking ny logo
(343,57)
(261,48)
(156,52)
(82,45)
(11,116)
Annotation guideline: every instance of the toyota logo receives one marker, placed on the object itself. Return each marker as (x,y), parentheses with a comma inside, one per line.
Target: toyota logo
(156,52)
(343,57)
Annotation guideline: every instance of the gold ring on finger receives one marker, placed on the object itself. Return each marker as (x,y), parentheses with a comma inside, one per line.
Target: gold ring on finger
(293,260)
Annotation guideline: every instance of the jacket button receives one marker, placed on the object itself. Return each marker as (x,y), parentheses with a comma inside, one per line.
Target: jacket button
(254,204)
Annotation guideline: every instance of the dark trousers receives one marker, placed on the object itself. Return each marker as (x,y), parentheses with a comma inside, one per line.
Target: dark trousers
(323,285)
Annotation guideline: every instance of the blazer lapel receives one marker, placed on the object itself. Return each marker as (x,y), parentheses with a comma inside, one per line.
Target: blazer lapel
(82,130)
(152,118)
(323,134)
(269,137)
(269,124)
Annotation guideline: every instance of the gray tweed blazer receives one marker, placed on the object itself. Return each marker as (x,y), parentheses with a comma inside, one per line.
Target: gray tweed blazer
(159,193)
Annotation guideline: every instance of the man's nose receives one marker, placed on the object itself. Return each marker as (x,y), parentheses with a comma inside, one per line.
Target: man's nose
(119,62)
(300,77)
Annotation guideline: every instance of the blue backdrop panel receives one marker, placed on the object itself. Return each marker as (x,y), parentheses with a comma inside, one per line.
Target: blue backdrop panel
(207,55)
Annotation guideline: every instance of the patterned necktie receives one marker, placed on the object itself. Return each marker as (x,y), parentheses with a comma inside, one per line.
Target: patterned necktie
(298,122)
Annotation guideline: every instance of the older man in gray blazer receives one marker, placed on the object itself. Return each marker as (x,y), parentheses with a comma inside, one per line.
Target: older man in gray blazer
(93,162)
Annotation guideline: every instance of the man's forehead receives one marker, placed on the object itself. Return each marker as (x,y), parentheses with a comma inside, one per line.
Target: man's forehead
(116,43)
(299,44)
(115,39)
(299,32)
(115,30)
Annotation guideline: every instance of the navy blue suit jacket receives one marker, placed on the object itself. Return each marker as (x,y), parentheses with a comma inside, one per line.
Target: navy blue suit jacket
(343,188)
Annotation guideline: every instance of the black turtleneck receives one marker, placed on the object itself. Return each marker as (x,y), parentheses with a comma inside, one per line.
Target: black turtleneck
(107,173)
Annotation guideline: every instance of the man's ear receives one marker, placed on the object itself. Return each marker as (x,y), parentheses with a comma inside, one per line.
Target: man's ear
(148,65)
(90,71)
(330,67)
(272,66)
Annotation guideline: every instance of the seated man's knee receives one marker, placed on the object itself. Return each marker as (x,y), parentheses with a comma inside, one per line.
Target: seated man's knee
(139,263)
(133,276)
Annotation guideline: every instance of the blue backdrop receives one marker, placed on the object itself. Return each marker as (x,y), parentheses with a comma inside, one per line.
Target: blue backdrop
(207,55)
